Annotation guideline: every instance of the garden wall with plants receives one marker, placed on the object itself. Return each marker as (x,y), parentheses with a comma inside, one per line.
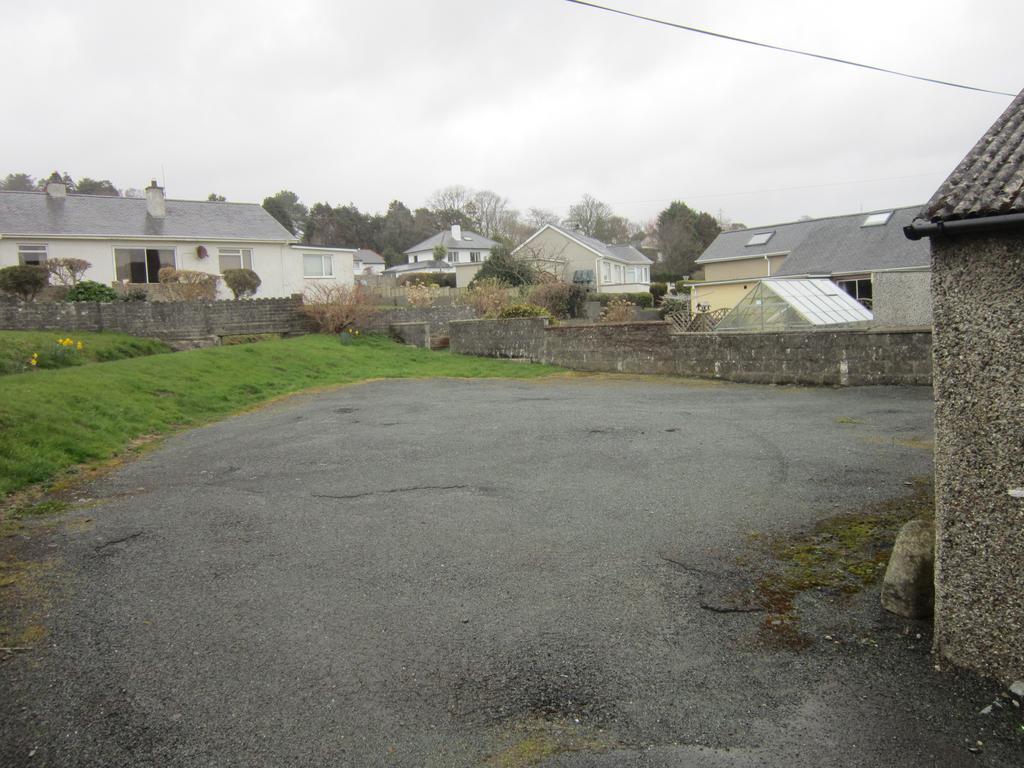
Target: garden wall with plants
(813,357)
(178,320)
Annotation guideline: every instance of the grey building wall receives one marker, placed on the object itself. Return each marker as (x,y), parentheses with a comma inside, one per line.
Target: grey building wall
(902,299)
(978,289)
(814,357)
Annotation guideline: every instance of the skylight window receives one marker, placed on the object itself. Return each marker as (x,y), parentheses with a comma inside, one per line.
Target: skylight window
(760,238)
(877,219)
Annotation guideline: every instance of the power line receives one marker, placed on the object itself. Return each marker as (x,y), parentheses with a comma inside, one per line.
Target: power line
(786,50)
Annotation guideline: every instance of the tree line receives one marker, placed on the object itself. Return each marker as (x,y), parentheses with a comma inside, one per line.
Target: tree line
(679,233)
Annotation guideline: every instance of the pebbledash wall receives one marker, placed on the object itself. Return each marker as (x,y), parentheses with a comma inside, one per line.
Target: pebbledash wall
(844,358)
(977,286)
(172,321)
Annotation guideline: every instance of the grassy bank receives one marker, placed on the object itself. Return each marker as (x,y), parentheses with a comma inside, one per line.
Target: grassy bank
(18,347)
(51,420)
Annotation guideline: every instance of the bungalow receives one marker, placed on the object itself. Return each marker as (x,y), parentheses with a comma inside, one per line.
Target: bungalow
(464,251)
(128,240)
(577,258)
(864,253)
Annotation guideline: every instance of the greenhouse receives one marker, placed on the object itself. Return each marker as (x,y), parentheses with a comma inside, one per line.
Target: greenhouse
(794,305)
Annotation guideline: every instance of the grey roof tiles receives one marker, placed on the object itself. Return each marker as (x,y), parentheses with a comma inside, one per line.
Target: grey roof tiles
(989,181)
(469,240)
(625,253)
(38,214)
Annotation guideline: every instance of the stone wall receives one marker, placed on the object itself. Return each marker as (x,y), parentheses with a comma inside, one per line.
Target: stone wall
(161,320)
(978,285)
(437,317)
(813,357)
(902,299)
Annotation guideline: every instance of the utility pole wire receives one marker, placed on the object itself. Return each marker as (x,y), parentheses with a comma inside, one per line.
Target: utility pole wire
(787,50)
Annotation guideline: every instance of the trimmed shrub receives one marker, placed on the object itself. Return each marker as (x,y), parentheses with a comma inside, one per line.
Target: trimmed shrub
(188,285)
(439,279)
(645,299)
(658,290)
(523,310)
(560,299)
(619,310)
(24,281)
(335,308)
(242,282)
(67,271)
(672,306)
(90,290)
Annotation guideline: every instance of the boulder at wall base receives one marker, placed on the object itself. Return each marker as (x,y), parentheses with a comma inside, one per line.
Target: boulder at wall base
(909,585)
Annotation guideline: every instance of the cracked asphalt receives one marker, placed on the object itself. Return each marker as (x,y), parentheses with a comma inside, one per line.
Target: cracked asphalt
(428,573)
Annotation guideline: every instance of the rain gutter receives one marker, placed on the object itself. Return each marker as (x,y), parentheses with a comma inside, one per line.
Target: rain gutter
(920,228)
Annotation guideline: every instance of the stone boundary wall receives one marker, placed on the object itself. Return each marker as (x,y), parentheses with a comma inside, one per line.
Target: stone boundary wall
(170,321)
(843,358)
(437,318)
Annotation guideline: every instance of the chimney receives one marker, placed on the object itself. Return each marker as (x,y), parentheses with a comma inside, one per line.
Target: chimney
(457,232)
(155,204)
(55,187)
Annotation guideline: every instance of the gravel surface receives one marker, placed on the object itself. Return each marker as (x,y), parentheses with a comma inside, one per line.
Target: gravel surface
(459,573)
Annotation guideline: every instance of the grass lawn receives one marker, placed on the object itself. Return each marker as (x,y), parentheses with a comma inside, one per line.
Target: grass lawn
(17,347)
(51,420)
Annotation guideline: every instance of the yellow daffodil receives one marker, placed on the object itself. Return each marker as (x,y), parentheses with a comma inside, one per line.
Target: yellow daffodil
(33,362)
(80,346)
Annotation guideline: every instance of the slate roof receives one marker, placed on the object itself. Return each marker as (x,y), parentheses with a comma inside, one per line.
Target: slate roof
(38,214)
(368,257)
(626,253)
(990,180)
(833,245)
(469,240)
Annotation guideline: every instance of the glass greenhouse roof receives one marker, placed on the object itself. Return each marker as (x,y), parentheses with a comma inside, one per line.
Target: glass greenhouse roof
(784,305)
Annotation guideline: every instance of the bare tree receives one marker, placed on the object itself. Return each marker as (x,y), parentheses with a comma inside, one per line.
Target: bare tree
(453,205)
(538,217)
(546,258)
(589,216)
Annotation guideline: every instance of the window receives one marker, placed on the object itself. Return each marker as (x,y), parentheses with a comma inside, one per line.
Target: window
(235,258)
(606,272)
(452,257)
(631,274)
(317,265)
(474,256)
(32,254)
(142,265)
(859,288)
(877,219)
(618,273)
(760,238)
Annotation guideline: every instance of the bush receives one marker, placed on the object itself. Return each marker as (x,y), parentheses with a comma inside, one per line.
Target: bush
(420,295)
(90,290)
(132,293)
(67,271)
(522,310)
(440,279)
(188,285)
(619,310)
(487,297)
(24,281)
(335,308)
(511,270)
(672,306)
(560,299)
(658,290)
(645,299)
(681,286)
(241,282)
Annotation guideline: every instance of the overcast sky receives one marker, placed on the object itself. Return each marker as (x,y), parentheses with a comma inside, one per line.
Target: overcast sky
(539,100)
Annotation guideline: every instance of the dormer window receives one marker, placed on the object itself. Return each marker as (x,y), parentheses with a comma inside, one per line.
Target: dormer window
(877,219)
(760,238)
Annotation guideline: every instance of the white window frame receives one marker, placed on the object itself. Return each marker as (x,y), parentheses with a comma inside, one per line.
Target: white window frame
(39,252)
(606,273)
(474,257)
(144,247)
(244,258)
(452,257)
(325,259)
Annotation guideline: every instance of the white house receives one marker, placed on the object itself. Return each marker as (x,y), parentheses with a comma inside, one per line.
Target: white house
(367,262)
(577,258)
(128,240)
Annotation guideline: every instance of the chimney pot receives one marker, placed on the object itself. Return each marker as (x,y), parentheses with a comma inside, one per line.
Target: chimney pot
(55,187)
(156,205)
